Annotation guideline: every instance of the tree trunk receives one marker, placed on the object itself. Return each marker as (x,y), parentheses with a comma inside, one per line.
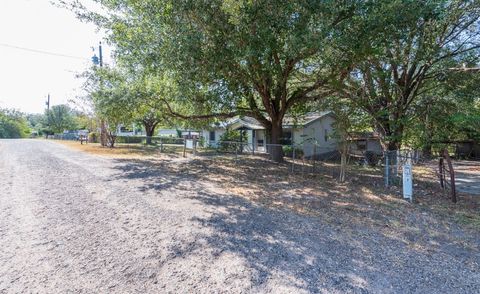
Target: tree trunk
(427,150)
(389,139)
(343,160)
(393,145)
(111,138)
(103,133)
(276,133)
(149,136)
(150,131)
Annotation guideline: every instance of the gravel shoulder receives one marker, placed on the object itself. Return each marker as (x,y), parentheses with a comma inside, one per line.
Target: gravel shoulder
(71,222)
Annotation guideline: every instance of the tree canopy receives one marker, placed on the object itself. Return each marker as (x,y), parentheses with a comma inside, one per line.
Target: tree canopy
(269,58)
(60,118)
(13,124)
(405,47)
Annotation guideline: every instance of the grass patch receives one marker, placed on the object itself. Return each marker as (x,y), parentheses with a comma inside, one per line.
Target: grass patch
(133,151)
(469,219)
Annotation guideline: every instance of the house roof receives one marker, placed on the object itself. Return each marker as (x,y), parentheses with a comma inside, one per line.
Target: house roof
(288,121)
(362,136)
(251,123)
(245,122)
(303,120)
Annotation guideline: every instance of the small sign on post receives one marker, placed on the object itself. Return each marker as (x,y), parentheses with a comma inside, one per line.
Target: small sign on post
(407,181)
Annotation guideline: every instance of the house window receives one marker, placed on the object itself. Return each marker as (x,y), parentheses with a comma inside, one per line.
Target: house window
(211,136)
(326,135)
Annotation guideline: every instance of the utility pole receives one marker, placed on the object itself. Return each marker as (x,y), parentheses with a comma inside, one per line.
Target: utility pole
(100,54)
(48,102)
(99,61)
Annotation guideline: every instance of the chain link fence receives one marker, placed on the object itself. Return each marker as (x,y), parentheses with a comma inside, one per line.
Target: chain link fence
(307,157)
(394,161)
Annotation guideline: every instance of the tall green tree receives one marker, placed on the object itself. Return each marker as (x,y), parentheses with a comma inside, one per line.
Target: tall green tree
(110,98)
(147,109)
(13,124)
(120,97)
(256,58)
(60,118)
(447,113)
(403,47)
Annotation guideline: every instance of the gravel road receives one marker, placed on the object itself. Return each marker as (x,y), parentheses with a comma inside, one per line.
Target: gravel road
(71,222)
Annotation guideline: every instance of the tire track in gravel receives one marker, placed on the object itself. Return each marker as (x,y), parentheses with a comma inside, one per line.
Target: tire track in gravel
(70,225)
(75,223)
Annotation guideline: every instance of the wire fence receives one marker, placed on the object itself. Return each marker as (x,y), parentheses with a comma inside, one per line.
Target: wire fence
(394,161)
(306,157)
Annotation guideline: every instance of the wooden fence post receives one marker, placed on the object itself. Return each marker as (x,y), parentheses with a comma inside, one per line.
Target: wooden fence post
(184,146)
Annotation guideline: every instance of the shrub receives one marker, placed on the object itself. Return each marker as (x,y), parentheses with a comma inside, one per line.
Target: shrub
(93,137)
(288,151)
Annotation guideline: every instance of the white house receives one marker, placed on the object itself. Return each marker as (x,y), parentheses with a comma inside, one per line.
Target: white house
(167,133)
(129,130)
(311,132)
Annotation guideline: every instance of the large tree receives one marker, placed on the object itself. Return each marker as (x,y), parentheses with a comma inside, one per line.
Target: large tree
(405,47)
(148,110)
(13,124)
(60,118)
(120,96)
(256,58)
(448,112)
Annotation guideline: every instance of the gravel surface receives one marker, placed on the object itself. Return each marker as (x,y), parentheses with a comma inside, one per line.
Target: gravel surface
(467,176)
(74,222)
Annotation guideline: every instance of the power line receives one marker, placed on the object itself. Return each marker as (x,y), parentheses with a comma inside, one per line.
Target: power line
(41,51)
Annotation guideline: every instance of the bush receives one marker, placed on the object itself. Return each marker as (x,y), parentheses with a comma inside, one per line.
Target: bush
(226,139)
(93,137)
(288,151)
(130,140)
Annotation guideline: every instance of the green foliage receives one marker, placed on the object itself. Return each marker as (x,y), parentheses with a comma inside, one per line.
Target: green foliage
(202,60)
(404,47)
(257,58)
(13,124)
(288,151)
(448,112)
(36,123)
(233,136)
(93,137)
(60,118)
(227,140)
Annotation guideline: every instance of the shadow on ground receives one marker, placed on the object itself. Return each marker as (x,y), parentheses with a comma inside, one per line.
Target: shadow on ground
(311,233)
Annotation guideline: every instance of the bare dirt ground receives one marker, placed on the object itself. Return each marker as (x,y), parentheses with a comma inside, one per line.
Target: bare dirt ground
(75,222)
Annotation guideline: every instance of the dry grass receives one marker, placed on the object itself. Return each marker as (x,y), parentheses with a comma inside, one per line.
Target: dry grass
(123,151)
(360,205)
(362,200)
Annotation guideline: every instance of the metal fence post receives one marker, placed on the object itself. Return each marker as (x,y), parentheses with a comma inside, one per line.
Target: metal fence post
(194,146)
(184,146)
(386,169)
(236,154)
(313,157)
(293,158)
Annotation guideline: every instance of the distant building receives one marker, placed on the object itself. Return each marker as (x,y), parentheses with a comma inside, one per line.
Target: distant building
(313,133)
(362,142)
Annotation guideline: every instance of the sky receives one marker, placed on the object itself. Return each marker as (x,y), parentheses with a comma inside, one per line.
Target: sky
(26,77)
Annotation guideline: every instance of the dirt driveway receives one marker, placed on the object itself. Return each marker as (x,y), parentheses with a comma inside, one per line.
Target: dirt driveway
(467,176)
(71,222)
